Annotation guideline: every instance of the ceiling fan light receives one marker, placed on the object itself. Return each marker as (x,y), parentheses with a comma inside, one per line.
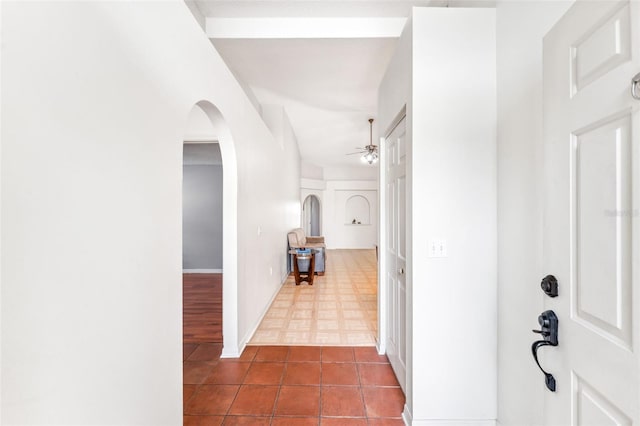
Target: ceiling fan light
(370,157)
(370,151)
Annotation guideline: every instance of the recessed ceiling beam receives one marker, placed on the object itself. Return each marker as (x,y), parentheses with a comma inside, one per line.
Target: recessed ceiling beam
(256,28)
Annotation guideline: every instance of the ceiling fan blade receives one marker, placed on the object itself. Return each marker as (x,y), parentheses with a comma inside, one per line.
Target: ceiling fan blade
(356,153)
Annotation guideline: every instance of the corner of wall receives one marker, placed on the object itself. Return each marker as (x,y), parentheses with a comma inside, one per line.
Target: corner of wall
(252,330)
(197,13)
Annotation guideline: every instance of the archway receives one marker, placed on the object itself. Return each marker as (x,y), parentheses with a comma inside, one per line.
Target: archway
(311,215)
(206,126)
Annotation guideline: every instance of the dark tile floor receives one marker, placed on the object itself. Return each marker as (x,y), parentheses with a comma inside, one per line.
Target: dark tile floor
(289,386)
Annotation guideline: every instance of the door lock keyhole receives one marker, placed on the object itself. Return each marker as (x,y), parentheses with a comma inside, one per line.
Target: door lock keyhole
(549,285)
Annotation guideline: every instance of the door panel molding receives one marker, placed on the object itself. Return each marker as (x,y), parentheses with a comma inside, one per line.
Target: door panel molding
(601,49)
(587,404)
(600,238)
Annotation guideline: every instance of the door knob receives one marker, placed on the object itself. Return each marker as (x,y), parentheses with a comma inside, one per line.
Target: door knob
(401,271)
(548,321)
(634,86)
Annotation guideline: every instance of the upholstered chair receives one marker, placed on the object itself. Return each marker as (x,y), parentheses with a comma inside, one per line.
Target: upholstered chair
(298,239)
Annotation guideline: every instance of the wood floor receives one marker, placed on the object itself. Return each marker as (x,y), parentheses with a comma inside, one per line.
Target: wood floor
(202,308)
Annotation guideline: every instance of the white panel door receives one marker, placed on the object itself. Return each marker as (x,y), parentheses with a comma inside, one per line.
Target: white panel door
(591,219)
(396,251)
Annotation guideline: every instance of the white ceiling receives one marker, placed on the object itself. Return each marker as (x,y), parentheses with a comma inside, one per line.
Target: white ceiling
(327,85)
(306,8)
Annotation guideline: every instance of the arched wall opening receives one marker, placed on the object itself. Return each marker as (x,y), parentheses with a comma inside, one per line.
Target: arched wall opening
(312,215)
(202,210)
(206,125)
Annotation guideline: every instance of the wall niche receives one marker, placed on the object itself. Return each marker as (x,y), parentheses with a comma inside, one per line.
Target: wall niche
(357,211)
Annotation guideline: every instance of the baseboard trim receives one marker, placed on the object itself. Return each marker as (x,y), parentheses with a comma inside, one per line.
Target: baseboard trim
(408,419)
(232,353)
(406,416)
(202,271)
(447,422)
(248,336)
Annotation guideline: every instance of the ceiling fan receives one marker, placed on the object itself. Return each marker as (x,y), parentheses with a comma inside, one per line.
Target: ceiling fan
(369,152)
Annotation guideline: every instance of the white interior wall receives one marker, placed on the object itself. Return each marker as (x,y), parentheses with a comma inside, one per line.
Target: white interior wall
(286,165)
(454,158)
(274,117)
(311,171)
(395,97)
(91,207)
(350,173)
(199,127)
(339,233)
(451,196)
(197,13)
(520,29)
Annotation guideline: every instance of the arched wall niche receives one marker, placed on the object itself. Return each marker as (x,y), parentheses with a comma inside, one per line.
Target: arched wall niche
(357,211)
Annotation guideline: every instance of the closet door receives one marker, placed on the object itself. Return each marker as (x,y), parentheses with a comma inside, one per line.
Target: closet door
(396,251)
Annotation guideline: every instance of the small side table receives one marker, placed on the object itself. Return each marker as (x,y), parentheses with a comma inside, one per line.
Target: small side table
(303,276)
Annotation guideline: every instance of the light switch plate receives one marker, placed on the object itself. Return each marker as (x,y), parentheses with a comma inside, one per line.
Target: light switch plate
(438,248)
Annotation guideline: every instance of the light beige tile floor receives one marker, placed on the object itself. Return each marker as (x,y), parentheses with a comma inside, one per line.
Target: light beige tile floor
(340,309)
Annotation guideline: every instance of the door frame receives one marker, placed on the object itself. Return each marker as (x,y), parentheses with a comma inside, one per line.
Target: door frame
(383,297)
